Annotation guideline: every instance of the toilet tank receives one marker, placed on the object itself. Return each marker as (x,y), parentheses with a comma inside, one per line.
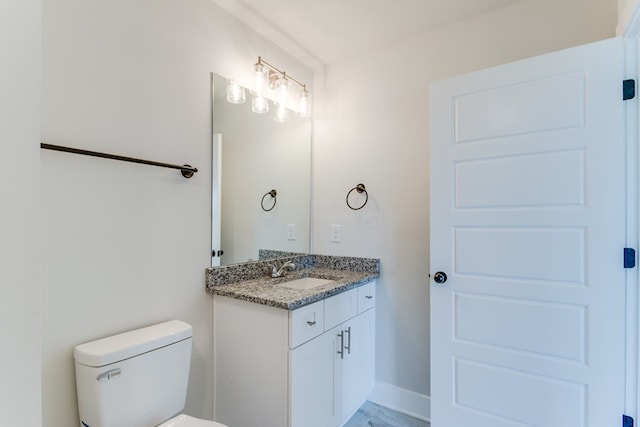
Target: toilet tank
(134,379)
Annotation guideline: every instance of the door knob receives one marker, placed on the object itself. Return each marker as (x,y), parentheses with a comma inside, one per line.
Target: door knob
(440,277)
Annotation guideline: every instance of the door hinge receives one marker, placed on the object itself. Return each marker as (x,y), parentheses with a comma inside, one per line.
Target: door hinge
(627,421)
(629,258)
(628,89)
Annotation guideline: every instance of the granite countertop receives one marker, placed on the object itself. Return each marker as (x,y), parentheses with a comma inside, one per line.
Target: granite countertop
(260,288)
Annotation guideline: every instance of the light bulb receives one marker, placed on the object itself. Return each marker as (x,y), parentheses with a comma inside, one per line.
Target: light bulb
(304,104)
(235,92)
(262,79)
(259,104)
(282,90)
(282,114)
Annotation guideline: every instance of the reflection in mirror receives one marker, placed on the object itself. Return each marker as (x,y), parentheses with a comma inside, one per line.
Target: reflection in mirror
(253,155)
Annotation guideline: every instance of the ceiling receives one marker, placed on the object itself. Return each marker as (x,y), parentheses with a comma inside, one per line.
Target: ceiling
(323,32)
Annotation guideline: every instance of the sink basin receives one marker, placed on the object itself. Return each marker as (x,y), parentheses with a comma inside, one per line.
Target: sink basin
(305,283)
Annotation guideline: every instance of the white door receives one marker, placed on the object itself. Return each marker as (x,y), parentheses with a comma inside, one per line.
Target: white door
(528,223)
(216,198)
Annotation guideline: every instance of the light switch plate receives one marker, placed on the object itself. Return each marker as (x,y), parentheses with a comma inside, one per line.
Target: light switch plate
(336,233)
(291,231)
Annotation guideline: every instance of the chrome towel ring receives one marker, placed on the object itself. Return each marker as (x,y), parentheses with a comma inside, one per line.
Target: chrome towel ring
(273,194)
(360,188)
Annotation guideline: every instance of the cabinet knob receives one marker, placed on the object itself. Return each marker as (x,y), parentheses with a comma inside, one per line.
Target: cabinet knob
(310,323)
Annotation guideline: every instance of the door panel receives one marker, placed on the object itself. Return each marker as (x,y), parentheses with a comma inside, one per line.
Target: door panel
(513,393)
(521,186)
(527,177)
(522,325)
(549,103)
(544,255)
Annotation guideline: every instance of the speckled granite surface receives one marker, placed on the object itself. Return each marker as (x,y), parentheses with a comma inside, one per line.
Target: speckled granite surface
(252,282)
(264,254)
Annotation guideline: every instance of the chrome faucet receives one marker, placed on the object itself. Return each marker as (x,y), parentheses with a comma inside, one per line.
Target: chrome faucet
(282,271)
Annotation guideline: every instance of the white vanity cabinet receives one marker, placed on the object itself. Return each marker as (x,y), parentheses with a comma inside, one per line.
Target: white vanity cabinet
(331,375)
(313,366)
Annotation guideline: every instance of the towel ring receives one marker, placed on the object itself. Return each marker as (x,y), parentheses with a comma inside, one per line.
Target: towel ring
(273,194)
(360,188)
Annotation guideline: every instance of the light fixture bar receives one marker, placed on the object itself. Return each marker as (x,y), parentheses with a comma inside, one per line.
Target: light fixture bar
(283,73)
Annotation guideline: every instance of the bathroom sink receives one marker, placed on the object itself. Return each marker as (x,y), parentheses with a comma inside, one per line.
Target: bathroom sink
(305,283)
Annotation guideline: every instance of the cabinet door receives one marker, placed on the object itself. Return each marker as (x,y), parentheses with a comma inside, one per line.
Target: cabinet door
(314,390)
(358,365)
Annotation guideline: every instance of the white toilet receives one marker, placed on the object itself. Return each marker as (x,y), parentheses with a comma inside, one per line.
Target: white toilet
(137,378)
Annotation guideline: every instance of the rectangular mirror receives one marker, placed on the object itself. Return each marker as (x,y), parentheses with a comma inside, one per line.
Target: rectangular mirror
(252,155)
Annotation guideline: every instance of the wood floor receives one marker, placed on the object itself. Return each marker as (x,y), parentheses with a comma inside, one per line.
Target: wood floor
(372,415)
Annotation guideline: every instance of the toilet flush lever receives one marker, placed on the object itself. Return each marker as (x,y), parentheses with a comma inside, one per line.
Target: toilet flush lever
(105,376)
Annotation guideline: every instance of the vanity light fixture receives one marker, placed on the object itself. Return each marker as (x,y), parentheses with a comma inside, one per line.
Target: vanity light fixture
(262,79)
(259,104)
(269,77)
(270,82)
(282,90)
(282,113)
(235,92)
(304,104)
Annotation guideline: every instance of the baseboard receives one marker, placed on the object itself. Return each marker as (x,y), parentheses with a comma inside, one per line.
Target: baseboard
(399,399)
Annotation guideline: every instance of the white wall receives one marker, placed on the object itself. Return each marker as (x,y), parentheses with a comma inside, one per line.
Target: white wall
(20,308)
(372,125)
(628,18)
(126,245)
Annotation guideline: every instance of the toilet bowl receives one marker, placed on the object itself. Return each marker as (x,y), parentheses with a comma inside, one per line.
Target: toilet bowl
(137,378)
(187,421)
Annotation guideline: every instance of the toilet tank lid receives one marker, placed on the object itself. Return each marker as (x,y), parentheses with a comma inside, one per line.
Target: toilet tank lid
(132,343)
